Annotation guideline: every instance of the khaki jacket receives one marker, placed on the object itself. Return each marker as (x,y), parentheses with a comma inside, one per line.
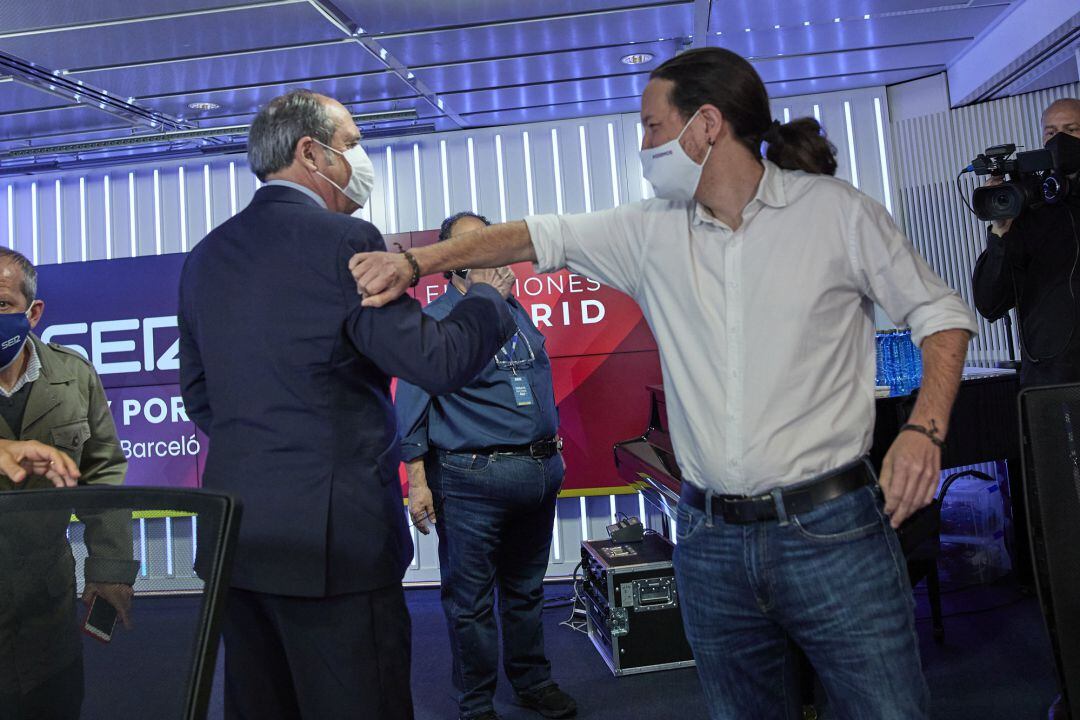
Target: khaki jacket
(39,636)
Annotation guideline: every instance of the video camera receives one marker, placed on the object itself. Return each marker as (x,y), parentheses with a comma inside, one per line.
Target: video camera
(1030,181)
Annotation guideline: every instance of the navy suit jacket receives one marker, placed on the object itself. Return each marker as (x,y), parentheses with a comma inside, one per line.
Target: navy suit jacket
(290,378)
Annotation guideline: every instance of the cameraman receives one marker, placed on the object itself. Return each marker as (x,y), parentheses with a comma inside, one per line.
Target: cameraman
(1031,263)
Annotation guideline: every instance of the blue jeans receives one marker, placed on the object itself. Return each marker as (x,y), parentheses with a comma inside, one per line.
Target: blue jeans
(494,520)
(833,581)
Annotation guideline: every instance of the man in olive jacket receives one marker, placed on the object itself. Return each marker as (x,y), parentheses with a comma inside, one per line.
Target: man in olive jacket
(53,395)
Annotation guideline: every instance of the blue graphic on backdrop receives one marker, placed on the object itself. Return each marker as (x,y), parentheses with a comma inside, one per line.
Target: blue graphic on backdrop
(121,315)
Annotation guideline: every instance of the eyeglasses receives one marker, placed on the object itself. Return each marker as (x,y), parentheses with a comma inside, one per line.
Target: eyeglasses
(510,362)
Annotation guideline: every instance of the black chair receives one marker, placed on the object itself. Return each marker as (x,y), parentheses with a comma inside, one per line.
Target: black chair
(1050,436)
(920,539)
(60,659)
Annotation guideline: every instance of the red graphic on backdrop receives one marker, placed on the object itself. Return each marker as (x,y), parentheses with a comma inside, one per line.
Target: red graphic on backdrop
(602,356)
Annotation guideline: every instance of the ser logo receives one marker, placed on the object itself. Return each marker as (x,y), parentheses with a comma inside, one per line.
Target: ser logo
(114,345)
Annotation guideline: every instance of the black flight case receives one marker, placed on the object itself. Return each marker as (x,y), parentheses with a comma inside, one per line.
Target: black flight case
(632,605)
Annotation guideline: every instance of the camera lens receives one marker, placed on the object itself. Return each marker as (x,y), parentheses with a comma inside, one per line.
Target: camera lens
(999,202)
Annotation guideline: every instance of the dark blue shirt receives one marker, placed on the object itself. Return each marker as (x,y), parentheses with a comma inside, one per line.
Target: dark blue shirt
(485,412)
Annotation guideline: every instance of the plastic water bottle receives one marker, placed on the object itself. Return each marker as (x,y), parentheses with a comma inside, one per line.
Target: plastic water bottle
(917,354)
(912,363)
(886,359)
(903,354)
(896,369)
(879,342)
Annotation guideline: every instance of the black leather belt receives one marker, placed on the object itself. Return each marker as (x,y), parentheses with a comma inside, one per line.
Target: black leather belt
(540,449)
(741,510)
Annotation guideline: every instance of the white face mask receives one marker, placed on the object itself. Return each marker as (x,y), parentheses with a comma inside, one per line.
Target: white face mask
(673,174)
(361,174)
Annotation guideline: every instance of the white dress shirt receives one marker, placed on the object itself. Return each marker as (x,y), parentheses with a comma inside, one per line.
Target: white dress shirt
(766,334)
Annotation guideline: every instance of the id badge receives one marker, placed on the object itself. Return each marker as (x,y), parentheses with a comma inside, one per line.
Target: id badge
(522,391)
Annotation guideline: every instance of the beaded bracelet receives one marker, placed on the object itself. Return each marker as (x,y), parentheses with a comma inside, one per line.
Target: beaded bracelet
(931,433)
(415,268)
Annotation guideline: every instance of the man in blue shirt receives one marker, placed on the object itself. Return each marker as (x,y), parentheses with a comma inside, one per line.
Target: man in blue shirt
(484,463)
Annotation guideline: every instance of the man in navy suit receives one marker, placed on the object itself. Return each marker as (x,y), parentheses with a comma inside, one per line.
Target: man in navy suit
(290,378)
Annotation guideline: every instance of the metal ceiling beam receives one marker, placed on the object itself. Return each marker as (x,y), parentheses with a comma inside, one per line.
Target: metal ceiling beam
(565,103)
(409,78)
(529,20)
(208,56)
(272,83)
(513,56)
(350,39)
(702,14)
(55,82)
(821,53)
(1049,59)
(325,43)
(145,18)
(353,30)
(474,61)
(1010,47)
(225,133)
(110,132)
(918,69)
(109,161)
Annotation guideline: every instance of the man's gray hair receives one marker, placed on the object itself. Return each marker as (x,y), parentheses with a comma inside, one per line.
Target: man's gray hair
(280,125)
(29,273)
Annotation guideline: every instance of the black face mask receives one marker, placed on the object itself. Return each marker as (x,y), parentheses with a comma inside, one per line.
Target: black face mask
(1065,150)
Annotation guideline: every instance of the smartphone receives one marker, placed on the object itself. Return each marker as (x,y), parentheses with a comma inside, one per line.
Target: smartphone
(100,620)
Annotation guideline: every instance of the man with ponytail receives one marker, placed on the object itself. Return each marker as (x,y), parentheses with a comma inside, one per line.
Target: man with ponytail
(758,278)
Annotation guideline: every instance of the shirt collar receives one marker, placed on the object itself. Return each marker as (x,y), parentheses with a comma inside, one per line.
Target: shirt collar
(770,191)
(771,188)
(32,372)
(296,186)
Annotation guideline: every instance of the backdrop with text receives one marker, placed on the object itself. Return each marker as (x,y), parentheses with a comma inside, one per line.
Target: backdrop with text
(121,314)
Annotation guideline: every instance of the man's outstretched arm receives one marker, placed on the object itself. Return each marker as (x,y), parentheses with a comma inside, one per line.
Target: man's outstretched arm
(382,277)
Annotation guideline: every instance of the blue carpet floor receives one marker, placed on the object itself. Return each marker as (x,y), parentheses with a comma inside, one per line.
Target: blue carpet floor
(995,664)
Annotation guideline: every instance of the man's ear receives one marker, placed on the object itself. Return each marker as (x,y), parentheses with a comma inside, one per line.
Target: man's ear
(305,153)
(715,123)
(37,308)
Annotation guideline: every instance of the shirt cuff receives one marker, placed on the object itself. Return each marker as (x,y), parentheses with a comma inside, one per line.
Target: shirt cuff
(948,313)
(546,235)
(413,450)
(110,570)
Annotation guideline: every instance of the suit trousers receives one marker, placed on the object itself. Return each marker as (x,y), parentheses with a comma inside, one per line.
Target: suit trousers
(344,656)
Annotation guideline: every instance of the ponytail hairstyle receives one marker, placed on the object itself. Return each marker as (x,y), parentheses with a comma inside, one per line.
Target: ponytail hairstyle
(719,77)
